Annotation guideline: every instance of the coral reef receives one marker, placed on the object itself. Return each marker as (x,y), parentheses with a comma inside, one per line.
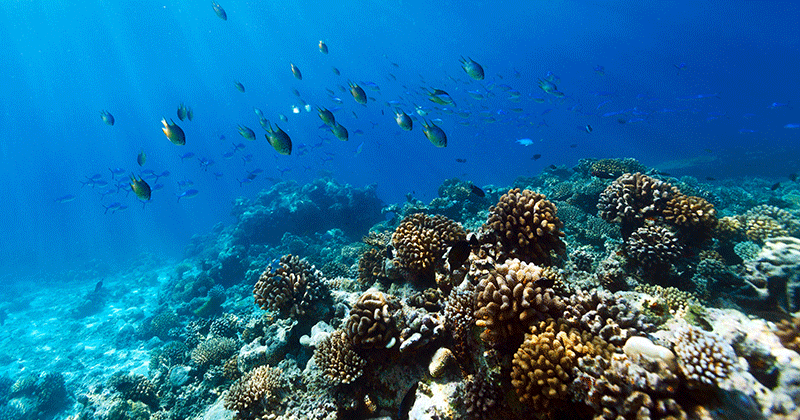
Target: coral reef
(294,287)
(254,392)
(508,299)
(632,198)
(653,246)
(372,322)
(703,358)
(524,225)
(337,359)
(542,366)
(764,221)
(421,241)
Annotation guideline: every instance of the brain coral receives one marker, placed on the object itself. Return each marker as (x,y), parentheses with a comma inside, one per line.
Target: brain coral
(421,241)
(337,359)
(632,198)
(508,299)
(703,357)
(542,366)
(249,393)
(653,246)
(523,225)
(294,286)
(372,323)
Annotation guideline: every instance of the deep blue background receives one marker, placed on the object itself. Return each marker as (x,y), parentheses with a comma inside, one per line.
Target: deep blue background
(64,62)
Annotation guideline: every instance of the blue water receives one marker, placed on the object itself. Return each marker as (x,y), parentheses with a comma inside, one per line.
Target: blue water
(64,62)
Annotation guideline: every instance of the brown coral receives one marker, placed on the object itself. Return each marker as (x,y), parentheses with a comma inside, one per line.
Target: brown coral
(653,246)
(789,333)
(292,287)
(373,267)
(249,395)
(213,351)
(703,357)
(764,221)
(542,366)
(509,298)
(371,323)
(616,167)
(421,241)
(632,198)
(524,225)
(695,216)
(337,359)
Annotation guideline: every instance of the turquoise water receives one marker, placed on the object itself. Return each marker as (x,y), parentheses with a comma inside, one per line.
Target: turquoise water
(701,94)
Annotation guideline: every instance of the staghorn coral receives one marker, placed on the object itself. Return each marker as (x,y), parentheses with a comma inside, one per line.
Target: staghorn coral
(337,359)
(294,287)
(421,241)
(252,393)
(764,221)
(372,322)
(605,315)
(213,351)
(632,198)
(703,358)
(508,299)
(653,246)
(542,366)
(524,225)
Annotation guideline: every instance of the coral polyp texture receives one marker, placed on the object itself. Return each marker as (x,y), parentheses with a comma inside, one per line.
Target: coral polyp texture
(654,246)
(632,198)
(542,366)
(421,241)
(508,299)
(251,394)
(703,357)
(764,221)
(372,324)
(294,286)
(337,359)
(524,225)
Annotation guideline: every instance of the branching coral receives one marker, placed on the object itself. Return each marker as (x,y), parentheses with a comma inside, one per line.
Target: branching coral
(294,286)
(632,198)
(542,366)
(459,319)
(508,299)
(251,394)
(604,314)
(213,351)
(337,359)
(764,221)
(694,216)
(653,246)
(422,240)
(703,357)
(372,323)
(524,225)
(134,387)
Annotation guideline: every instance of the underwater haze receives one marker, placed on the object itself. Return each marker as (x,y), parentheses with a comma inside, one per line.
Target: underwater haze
(399,209)
(65,62)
